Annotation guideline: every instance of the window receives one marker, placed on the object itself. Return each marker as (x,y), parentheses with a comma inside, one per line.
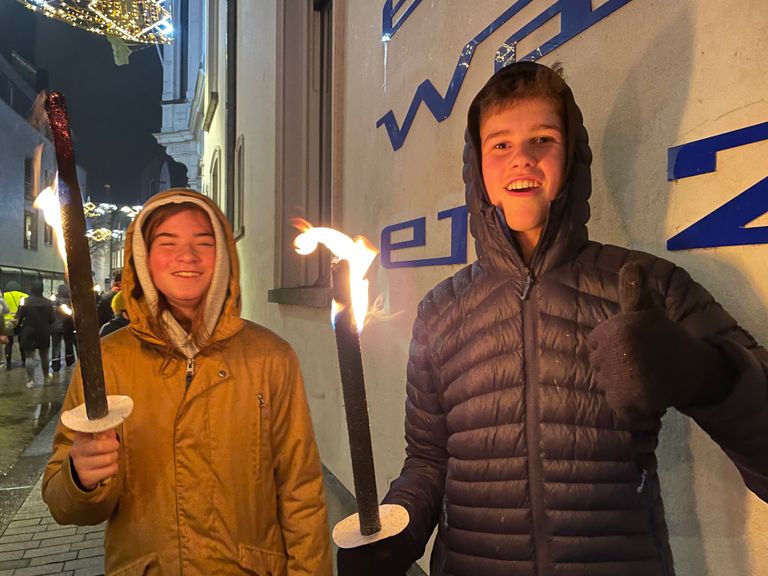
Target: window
(212,62)
(48,235)
(116,256)
(29,178)
(304,137)
(215,183)
(30,230)
(213,45)
(237,220)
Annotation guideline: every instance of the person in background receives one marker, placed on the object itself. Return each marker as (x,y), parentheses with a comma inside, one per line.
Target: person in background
(63,329)
(3,334)
(13,297)
(120,318)
(35,319)
(104,308)
(216,471)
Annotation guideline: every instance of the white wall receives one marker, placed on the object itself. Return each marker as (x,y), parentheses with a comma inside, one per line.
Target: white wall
(651,75)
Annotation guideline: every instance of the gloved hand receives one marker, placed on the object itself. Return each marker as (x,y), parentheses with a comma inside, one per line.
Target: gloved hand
(389,557)
(645,362)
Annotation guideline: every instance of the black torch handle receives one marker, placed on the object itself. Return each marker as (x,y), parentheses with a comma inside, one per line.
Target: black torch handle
(78,260)
(355,404)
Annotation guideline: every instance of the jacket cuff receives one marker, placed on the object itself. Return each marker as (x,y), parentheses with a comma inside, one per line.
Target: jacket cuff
(75,491)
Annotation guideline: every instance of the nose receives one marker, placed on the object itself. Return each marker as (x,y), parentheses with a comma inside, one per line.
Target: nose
(187,253)
(521,156)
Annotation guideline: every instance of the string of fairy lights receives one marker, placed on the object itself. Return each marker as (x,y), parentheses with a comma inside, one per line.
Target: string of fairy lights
(102,234)
(134,21)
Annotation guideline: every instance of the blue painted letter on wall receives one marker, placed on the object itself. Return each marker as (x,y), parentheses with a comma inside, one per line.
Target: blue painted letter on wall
(726,226)
(458,254)
(576,16)
(390,25)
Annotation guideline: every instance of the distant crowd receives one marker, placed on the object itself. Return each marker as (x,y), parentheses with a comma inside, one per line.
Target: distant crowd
(42,324)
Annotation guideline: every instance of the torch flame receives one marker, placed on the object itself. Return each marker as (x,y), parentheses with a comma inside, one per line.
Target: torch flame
(359,252)
(48,202)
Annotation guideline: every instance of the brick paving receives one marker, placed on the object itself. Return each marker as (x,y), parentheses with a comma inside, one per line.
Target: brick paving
(34,544)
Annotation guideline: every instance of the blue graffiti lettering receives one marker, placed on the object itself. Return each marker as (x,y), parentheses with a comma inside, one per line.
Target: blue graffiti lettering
(575,17)
(388,23)
(458,254)
(726,226)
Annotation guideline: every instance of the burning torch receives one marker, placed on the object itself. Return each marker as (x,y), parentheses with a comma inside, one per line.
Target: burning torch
(99,412)
(350,305)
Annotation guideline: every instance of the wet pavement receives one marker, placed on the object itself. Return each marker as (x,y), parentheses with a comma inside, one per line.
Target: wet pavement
(25,412)
(27,424)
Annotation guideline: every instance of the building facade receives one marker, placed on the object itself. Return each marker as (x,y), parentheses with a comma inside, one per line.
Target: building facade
(184,89)
(27,164)
(352,114)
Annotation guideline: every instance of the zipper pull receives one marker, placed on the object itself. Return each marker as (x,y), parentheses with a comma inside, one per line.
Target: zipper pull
(643,478)
(260,396)
(190,370)
(529,280)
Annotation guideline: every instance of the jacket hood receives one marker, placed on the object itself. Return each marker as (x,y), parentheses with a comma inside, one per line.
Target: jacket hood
(565,232)
(222,302)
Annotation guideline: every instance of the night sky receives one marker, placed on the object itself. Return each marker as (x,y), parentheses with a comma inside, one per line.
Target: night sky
(113,109)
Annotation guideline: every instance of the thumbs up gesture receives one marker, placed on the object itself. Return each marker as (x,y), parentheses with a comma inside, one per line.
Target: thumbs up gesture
(645,363)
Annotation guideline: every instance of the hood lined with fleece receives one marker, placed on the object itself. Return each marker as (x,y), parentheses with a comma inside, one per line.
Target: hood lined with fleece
(221,314)
(565,232)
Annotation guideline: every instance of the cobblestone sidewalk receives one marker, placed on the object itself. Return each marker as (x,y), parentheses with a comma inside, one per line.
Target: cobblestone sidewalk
(33,544)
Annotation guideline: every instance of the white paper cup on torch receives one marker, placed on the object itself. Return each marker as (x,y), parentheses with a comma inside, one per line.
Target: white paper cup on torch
(119,408)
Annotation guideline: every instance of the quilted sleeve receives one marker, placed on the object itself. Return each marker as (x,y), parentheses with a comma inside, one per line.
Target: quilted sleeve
(420,486)
(738,423)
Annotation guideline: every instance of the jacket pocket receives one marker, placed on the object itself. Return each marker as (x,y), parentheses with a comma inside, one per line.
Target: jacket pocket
(263,562)
(137,567)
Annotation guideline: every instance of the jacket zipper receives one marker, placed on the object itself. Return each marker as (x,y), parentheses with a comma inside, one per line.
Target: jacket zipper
(535,479)
(260,396)
(190,372)
(188,375)
(644,488)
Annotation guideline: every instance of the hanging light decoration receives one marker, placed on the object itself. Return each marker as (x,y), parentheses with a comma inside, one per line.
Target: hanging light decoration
(134,21)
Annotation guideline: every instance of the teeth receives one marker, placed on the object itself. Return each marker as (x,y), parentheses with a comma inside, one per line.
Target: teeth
(186,274)
(521,184)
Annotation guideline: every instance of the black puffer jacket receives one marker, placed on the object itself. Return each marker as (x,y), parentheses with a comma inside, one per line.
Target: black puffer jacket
(512,448)
(35,320)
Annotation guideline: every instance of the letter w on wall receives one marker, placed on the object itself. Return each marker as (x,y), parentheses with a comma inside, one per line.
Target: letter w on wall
(726,226)
(576,16)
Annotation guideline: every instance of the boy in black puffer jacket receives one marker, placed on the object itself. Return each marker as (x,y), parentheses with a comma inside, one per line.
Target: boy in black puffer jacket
(538,375)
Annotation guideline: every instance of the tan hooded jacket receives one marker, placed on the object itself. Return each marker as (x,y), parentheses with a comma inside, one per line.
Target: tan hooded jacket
(219,470)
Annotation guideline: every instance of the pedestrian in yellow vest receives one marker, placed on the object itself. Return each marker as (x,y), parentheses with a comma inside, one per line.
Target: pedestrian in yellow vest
(13,297)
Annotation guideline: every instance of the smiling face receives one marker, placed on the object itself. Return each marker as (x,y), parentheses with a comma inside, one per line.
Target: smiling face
(523,159)
(182,254)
